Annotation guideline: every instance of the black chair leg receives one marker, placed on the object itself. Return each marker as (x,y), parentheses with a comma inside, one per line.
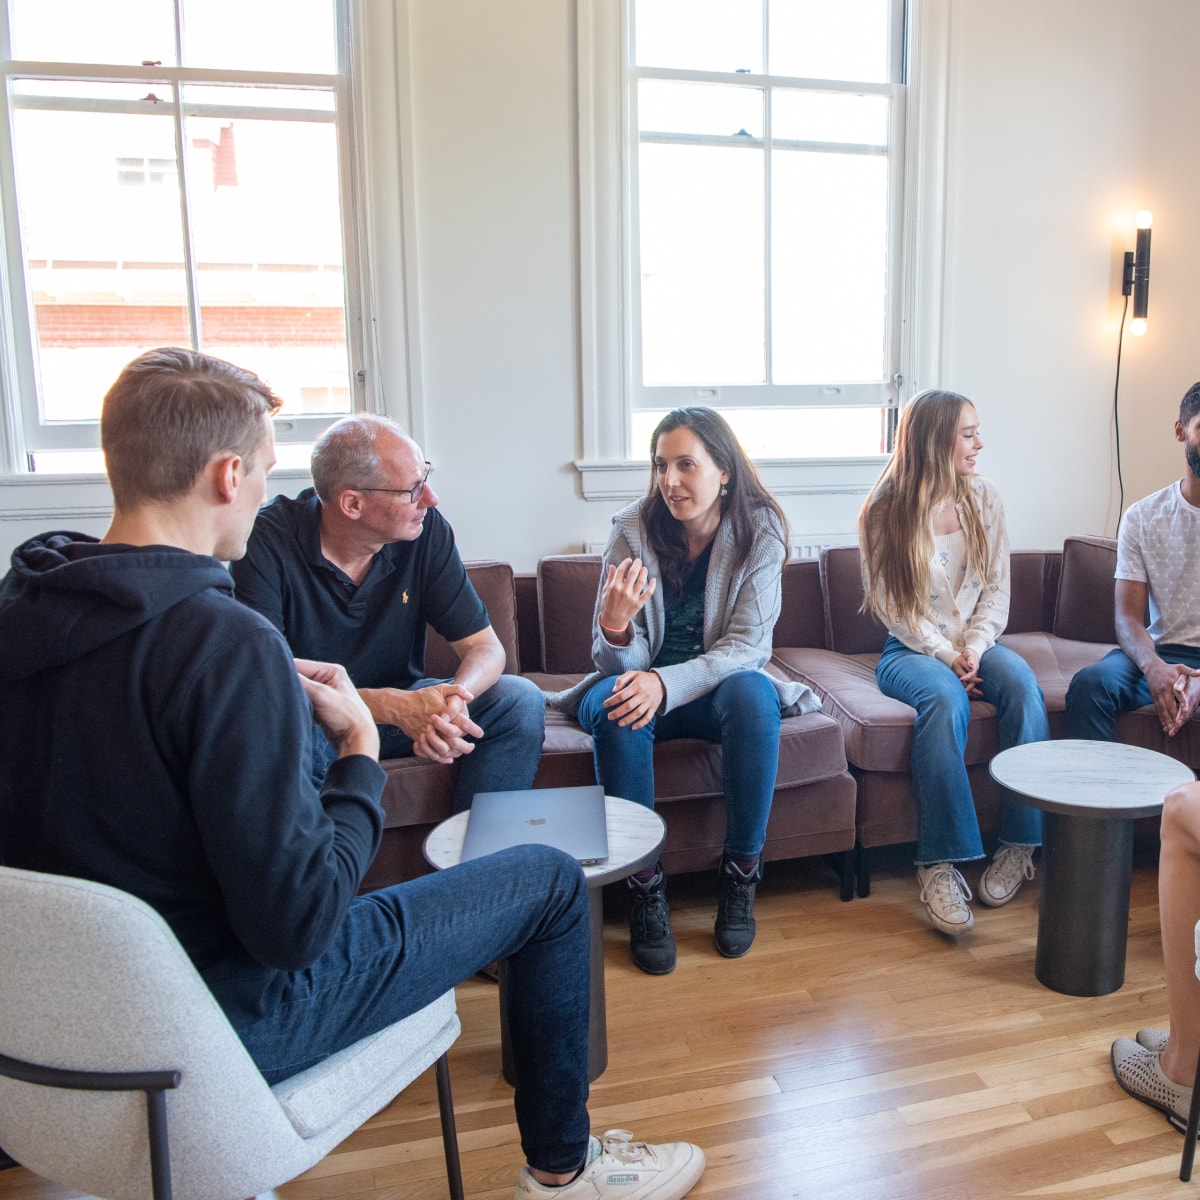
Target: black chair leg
(160,1156)
(449,1131)
(1193,1126)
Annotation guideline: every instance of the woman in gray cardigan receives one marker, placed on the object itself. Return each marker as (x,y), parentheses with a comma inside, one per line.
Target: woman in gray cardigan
(688,601)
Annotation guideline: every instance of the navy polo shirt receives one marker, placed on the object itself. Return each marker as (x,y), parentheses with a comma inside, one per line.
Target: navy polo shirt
(376,629)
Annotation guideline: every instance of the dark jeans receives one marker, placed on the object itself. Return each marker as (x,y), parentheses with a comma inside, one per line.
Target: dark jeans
(1100,693)
(512,715)
(403,946)
(741,713)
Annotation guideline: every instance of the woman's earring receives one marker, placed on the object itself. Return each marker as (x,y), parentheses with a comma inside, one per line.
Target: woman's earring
(724,490)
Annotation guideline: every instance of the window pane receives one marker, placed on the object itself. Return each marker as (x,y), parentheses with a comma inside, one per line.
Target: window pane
(829,117)
(789,432)
(266,237)
(830,39)
(701,215)
(99,212)
(699,35)
(260,35)
(829,267)
(699,108)
(90,31)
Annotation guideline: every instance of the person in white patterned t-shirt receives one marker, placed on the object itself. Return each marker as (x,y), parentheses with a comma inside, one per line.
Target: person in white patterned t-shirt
(1158,563)
(935,572)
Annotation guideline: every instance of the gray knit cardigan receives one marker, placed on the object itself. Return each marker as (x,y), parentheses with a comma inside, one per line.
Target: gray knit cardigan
(740,611)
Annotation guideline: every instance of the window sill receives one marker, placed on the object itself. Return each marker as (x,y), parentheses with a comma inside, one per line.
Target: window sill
(617,479)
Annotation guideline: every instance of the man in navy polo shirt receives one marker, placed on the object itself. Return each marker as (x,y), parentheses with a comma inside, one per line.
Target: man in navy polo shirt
(351,570)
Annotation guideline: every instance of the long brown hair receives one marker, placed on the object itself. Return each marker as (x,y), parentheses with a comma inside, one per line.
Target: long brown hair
(895,534)
(744,495)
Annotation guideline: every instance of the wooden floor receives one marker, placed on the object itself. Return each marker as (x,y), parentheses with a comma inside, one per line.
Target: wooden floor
(852,1053)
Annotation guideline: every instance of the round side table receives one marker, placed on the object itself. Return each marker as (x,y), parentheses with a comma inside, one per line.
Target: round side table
(1090,793)
(635,836)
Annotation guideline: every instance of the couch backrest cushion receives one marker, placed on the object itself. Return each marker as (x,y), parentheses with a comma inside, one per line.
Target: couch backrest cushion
(567,586)
(494,583)
(1086,610)
(847,630)
(802,609)
(1034,577)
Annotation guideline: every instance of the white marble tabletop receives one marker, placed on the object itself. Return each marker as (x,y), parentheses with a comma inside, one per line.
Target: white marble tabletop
(1099,779)
(635,836)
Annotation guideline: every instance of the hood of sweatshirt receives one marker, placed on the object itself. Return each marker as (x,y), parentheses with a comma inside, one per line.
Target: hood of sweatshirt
(68,594)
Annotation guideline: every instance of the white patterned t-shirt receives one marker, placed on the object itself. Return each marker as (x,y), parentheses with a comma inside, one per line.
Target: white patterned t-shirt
(1158,544)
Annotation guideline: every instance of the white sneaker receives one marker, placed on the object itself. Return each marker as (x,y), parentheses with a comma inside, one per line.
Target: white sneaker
(944,893)
(1007,871)
(620,1167)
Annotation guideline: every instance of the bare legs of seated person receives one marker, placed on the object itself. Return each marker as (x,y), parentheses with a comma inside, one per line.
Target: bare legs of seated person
(1159,1068)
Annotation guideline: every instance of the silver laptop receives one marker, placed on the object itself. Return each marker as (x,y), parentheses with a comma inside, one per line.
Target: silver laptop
(569,818)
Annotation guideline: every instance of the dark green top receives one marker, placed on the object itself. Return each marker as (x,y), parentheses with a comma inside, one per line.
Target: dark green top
(683,631)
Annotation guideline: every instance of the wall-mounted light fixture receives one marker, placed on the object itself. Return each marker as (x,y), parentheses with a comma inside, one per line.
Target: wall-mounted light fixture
(1135,278)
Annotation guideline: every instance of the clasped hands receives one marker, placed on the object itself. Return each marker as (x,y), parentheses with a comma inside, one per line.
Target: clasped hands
(636,695)
(436,718)
(1175,689)
(966,667)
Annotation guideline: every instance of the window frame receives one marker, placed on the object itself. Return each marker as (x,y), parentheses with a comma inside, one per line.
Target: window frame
(23,432)
(610,468)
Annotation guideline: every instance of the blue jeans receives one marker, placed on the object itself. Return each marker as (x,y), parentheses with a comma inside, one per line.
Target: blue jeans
(512,715)
(1100,693)
(741,713)
(947,827)
(401,947)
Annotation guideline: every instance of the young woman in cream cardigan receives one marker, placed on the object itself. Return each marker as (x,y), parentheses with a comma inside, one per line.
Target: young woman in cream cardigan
(935,571)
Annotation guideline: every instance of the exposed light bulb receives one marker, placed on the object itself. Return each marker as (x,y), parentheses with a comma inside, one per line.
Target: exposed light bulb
(1144,219)
(1137,326)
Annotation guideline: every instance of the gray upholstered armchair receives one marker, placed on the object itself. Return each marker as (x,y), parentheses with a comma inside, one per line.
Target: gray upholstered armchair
(98,999)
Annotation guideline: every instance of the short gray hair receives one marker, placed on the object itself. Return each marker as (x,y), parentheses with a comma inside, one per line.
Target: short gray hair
(347,454)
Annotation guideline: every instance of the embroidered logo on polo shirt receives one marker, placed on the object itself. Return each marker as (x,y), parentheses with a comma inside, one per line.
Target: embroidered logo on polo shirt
(404,597)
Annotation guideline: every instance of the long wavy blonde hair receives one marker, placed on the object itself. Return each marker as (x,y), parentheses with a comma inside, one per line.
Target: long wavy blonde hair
(895,533)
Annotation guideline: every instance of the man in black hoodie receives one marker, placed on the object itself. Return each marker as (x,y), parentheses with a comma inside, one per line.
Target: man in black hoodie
(156,735)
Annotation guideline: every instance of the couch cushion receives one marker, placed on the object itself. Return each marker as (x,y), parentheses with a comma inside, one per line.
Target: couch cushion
(810,749)
(1086,607)
(1054,661)
(1034,576)
(494,583)
(876,728)
(846,629)
(802,606)
(567,586)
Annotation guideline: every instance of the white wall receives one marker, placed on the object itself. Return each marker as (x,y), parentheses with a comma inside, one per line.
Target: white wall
(1066,116)
(1065,119)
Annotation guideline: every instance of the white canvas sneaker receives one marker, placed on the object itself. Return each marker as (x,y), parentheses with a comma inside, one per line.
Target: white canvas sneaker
(620,1167)
(1006,872)
(944,893)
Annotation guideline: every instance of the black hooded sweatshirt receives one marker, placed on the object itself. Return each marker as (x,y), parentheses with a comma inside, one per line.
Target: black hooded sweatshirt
(154,736)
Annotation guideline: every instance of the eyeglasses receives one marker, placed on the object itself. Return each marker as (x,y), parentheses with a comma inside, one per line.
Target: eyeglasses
(413,493)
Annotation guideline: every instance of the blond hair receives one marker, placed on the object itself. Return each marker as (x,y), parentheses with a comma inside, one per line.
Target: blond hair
(895,533)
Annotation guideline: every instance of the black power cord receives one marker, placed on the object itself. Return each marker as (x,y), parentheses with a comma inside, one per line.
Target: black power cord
(1117,410)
